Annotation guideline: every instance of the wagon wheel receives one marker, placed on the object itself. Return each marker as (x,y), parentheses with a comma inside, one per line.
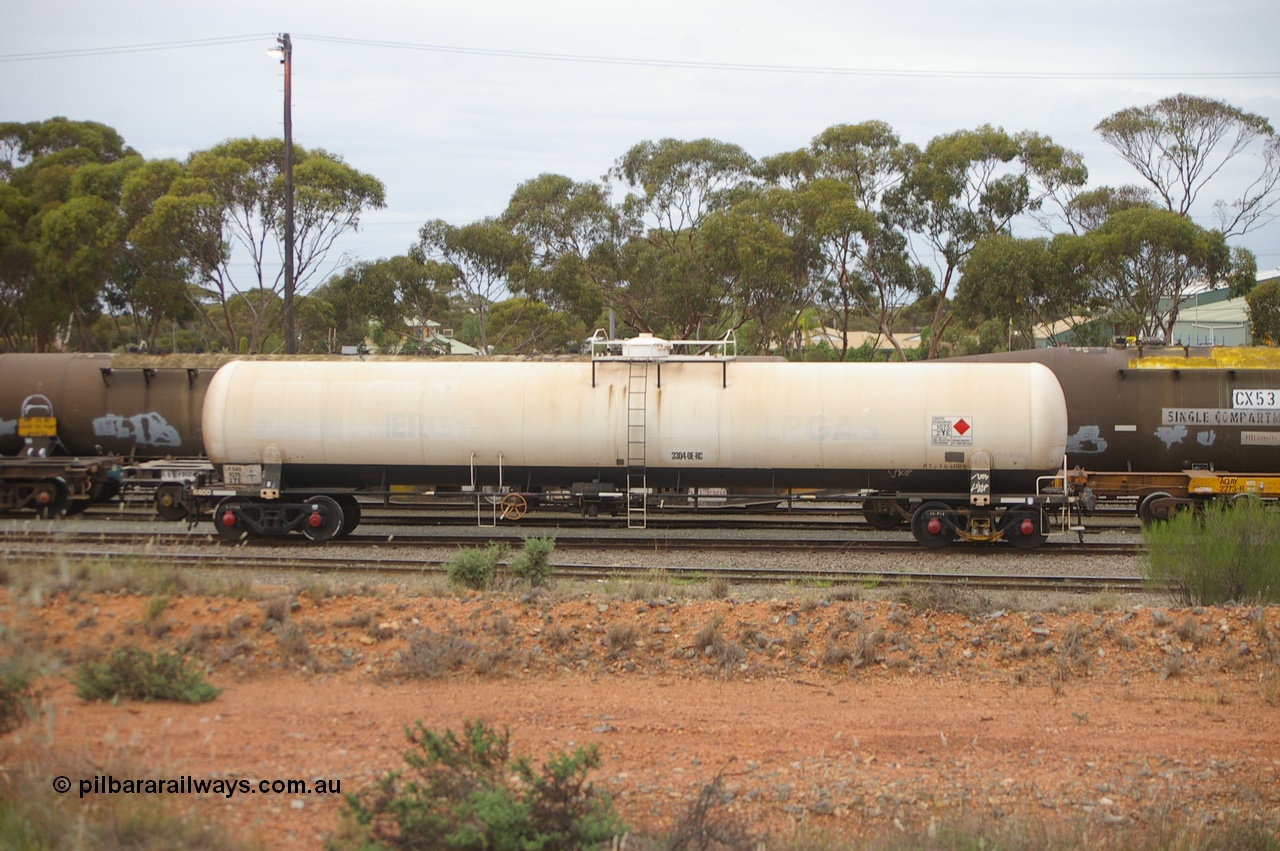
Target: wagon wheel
(49,498)
(514,506)
(934,524)
(323,520)
(1156,507)
(1024,528)
(350,513)
(227,520)
(169,502)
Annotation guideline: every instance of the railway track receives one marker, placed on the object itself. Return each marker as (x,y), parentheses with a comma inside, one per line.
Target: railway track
(617,542)
(395,557)
(310,561)
(848,519)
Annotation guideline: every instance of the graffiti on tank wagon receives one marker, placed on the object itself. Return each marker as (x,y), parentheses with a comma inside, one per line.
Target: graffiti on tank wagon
(1171,435)
(149,429)
(1087,440)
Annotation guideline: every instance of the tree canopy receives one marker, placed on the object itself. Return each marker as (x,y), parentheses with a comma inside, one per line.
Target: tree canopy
(1181,143)
(973,240)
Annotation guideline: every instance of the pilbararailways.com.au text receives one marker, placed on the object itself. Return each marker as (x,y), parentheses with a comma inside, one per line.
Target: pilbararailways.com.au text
(107,784)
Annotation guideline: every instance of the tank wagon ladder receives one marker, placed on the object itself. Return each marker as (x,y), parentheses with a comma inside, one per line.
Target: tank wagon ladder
(638,353)
(494,498)
(637,475)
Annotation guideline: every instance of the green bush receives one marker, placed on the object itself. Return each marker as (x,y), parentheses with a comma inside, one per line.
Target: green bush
(1231,551)
(474,567)
(533,562)
(470,793)
(17,695)
(135,674)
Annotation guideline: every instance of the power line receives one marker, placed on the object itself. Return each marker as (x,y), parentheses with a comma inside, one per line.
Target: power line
(133,48)
(657,63)
(803,69)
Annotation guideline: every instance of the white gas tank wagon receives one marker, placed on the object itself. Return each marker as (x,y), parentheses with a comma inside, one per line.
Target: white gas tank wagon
(954,449)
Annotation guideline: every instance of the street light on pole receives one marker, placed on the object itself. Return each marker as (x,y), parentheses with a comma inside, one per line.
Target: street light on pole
(284,51)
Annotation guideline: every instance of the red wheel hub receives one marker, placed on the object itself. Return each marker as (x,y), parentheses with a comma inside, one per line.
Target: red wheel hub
(934,526)
(316,520)
(228,518)
(1027,527)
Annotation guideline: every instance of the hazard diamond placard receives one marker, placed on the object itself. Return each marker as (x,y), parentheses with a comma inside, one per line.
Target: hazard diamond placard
(952,431)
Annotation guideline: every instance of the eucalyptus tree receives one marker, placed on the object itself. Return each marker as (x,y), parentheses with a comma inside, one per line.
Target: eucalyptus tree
(525,326)
(1264,313)
(763,246)
(969,184)
(61,231)
(1181,143)
(151,284)
(79,245)
(844,176)
(575,238)
(227,212)
(481,259)
(1020,283)
(672,187)
(1143,262)
(17,265)
(388,298)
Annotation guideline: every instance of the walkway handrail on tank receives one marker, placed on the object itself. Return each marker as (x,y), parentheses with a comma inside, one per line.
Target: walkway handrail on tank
(604,348)
(647,347)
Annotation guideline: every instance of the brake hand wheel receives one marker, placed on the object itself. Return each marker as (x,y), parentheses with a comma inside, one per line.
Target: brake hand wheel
(514,506)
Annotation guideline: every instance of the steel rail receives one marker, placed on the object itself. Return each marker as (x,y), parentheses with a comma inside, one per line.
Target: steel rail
(312,561)
(625,542)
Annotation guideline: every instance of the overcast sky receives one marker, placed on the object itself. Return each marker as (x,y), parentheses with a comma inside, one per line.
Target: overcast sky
(453,105)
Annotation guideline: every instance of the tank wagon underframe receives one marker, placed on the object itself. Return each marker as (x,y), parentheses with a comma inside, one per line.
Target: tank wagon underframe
(1158,496)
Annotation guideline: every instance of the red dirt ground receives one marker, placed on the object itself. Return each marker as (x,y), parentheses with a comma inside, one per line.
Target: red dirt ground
(840,717)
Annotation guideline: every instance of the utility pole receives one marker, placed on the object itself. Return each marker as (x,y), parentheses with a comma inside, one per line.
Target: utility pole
(286,59)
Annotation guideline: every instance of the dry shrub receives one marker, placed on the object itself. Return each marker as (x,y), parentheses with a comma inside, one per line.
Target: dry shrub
(433,654)
(724,655)
(294,647)
(836,655)
(619,639)
(558,638)
(276,609)
(718,588)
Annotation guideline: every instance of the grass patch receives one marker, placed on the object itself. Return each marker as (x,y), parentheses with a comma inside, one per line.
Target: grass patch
(18,696)
(33,816)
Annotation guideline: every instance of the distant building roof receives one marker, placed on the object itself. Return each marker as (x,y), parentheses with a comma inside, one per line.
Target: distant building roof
(857,339)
